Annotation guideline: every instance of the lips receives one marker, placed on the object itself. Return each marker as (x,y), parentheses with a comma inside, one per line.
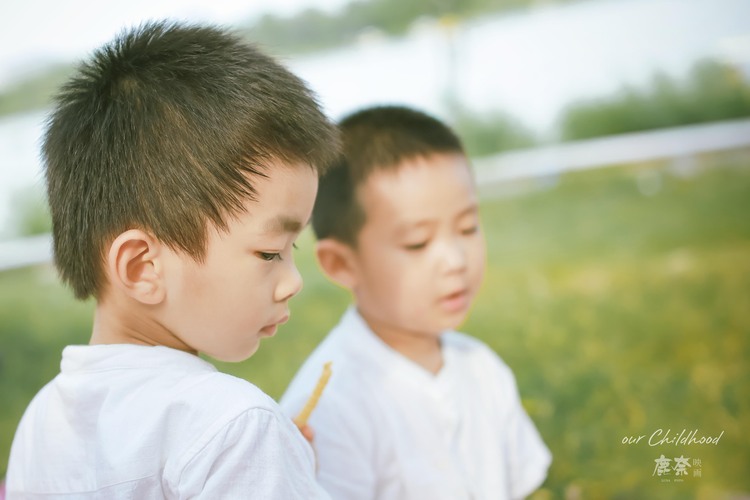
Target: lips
(283,320)
(454,302)
(270,329)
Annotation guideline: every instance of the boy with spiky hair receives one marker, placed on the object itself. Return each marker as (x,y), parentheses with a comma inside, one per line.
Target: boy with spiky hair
(413,409)
(181,164)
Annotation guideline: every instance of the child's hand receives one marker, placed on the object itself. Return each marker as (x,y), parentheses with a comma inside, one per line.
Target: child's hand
(307,433)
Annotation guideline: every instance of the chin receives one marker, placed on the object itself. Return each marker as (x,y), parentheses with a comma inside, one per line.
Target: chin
(248,354)
(455,320)
(237,355)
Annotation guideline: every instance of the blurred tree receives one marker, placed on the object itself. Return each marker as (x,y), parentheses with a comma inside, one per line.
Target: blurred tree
(309,31)
(721,90)
(490,133)
(314,29)
(712,91)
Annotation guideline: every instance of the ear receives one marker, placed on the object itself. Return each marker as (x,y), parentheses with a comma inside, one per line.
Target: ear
(135,268)
(338,261)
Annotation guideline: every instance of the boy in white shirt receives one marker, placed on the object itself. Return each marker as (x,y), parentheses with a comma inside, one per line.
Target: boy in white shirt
(181,165)
(413,410)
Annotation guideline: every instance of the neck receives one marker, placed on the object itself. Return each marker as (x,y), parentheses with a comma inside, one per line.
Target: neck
(123,321)
(423,348)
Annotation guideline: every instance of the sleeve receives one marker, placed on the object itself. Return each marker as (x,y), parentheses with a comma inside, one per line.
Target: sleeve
(256,455)
(528,456)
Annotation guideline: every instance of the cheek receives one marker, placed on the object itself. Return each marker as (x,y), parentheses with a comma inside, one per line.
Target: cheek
(412,285)
(477,259)
(200,288)
(389,275)
(212,293)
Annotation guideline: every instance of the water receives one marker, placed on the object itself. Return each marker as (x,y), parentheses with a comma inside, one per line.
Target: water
(528,64)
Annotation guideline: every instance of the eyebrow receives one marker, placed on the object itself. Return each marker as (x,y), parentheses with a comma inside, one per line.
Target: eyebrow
(284,224)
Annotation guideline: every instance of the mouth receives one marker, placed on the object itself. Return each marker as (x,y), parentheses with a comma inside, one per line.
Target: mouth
(270,329)
(454,302)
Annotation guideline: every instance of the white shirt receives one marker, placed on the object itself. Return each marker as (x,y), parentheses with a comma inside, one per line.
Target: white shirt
(137,422)
(387,429)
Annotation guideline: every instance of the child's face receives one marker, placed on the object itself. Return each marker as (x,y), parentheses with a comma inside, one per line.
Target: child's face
(421,255)
(239,294)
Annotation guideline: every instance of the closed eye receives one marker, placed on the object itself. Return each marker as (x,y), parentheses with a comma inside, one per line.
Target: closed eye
(270,256)
(416,246)
(267,256)
(470,230)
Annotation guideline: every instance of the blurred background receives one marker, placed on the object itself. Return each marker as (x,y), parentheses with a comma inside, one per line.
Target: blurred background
(611,142)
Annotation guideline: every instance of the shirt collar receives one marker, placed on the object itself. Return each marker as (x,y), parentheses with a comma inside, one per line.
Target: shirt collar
(78,358)
(371,351)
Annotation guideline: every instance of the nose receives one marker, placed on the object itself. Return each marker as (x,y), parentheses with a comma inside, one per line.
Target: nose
(290,284)
(453,256)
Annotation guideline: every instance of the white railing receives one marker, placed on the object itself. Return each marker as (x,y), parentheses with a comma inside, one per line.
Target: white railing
(519,165)
(622,149)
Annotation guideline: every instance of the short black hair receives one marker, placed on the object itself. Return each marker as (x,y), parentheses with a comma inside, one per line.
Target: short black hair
(163,130)
(374,139)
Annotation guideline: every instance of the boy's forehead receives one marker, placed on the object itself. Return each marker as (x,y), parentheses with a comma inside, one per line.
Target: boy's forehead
(418,175)
(420,191)
(283,201)
(401,171)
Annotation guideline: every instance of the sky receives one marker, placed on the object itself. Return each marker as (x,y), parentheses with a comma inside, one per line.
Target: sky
(36,32)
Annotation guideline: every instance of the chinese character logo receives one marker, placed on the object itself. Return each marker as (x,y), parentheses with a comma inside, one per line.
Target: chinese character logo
(697,467)
(680,466)
(662,466)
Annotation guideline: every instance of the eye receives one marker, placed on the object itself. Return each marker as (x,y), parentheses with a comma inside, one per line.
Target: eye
(416,246)
(269,256)
(470,230)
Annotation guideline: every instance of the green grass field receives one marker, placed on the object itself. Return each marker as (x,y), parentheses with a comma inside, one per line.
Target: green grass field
(620,314)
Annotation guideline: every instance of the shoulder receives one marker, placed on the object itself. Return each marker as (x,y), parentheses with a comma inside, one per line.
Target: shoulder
(236,430)
(216,399)
(227,387)
(253,448)
(185,401)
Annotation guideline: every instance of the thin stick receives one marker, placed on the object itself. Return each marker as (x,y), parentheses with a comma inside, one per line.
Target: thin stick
(301,419)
